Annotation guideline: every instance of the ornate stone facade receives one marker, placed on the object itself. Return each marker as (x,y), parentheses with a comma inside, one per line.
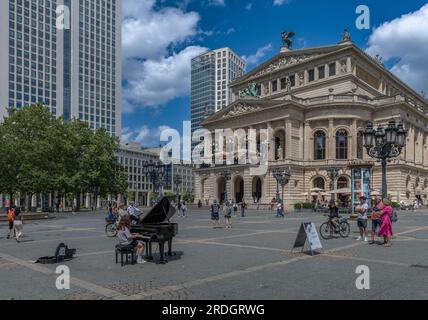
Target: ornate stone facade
(315,104)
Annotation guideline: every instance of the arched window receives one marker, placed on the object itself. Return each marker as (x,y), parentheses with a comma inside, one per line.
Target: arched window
(342,183)
(360,145)
(319,183)
(341,145)
(319,145)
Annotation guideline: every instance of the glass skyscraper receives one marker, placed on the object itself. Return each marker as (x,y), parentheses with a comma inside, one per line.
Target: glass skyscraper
(75,71)
(212,72)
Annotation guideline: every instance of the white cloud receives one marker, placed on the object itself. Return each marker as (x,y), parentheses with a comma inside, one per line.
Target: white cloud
(155,82)
(155,71)
(404,42)
(229,31)
(249,6)
(280,2)
(147,33)
(217,2)
(148,137)
(260,54)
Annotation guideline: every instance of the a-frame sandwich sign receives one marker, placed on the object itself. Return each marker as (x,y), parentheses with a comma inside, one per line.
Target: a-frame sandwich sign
(308,232)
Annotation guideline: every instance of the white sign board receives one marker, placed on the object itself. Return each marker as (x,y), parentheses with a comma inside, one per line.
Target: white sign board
(308,231)
(312,234)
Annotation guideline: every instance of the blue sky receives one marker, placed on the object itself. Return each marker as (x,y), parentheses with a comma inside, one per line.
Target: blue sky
(160,37)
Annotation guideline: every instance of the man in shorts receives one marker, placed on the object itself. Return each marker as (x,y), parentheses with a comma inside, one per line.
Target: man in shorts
(215,214)
(362,210)
(10,219)
(376,221)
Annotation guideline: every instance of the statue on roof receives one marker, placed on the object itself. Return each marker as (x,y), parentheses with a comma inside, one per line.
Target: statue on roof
(251,91)
(286,39)
(346,35)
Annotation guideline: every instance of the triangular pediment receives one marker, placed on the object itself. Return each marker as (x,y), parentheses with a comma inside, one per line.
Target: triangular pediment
(288,59)
(241,107)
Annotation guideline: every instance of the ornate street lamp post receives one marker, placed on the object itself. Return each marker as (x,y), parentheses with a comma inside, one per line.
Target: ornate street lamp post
(282,177)
(332,173)
(155,171)
(177,183)
(385,144)
(226,176)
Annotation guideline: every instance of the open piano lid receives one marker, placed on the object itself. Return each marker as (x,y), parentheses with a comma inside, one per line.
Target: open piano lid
(161,212)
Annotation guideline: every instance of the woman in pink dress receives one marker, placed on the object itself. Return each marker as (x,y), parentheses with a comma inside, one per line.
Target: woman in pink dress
(385,230)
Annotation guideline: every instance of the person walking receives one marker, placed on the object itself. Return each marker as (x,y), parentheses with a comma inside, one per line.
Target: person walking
(134,212)
(184,210)
(179,205)
(10,218)
(279,213)
(18,224)
(228,215)
(243,207)
(385,230)
(235,209)
(215,216)
(362,210)
(376,221)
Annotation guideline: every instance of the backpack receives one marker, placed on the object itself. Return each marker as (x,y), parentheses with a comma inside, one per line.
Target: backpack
(394,216)
(10,215)
(62,253)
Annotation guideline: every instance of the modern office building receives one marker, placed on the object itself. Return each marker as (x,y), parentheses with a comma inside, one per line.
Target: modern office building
(179,169)
(212,72)
(132,158)
(74,69)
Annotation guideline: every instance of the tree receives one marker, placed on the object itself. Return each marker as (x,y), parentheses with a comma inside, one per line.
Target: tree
(40,153)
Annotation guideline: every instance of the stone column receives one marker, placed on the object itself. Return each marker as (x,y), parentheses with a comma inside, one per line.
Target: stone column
(288,134)
(308,143)
(353,140)
(410,146)
(419,148)
(331,141)
(98,202)
(271,139)
(348,64)
(425,150)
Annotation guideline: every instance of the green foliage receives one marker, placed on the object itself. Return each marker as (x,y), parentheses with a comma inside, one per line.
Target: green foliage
(188,198)
(395,205)
(40,153)
(305,205)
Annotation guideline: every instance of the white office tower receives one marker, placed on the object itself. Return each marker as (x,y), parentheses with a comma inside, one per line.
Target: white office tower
(64,54)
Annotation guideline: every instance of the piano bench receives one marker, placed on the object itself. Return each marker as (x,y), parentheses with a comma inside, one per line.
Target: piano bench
(125,251)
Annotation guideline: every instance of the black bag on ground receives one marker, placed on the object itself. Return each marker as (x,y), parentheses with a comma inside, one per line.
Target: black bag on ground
(62,253)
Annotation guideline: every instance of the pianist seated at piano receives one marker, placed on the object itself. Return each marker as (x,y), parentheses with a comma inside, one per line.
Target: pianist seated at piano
(127,238)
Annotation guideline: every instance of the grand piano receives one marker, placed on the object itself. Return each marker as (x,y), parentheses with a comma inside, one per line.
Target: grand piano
(155,226)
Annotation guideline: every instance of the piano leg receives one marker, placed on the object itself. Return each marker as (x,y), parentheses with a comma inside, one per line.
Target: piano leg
(170,253)
(149,255)
(161,252)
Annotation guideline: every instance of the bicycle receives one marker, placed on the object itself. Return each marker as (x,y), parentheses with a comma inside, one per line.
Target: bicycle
(328,229)
(111,227)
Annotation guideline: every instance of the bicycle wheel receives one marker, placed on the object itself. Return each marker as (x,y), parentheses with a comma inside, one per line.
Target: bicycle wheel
(325,231)
(111,230)
(344,229)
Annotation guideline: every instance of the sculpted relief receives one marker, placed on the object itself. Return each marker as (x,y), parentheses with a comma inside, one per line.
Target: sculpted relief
(284,62)
(240,108)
